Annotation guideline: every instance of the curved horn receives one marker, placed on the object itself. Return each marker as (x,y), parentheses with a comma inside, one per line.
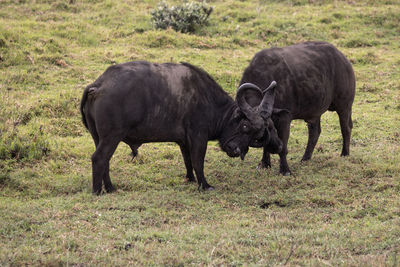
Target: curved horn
(267,104)
(246,86)
(250,112)
(271,86)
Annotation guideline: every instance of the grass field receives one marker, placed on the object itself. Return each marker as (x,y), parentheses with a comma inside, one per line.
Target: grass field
(332,211)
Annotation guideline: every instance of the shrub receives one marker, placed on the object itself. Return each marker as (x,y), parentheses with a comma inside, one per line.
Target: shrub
(183,18)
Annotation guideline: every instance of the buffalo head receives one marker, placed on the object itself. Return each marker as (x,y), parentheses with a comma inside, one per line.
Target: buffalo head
(250,122)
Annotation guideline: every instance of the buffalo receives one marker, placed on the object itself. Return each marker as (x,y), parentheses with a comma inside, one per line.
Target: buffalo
(312,77)
(140,102)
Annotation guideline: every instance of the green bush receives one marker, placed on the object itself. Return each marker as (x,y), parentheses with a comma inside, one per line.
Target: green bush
(183,18)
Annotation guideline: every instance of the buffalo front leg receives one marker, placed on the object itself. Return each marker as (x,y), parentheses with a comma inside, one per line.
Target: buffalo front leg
(188,163)
(283,133)
(266,160)
(346,125)
(197,155)
(314,130)
(100,165)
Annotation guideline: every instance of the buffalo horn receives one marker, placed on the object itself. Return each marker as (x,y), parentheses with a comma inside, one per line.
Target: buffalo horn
(267,104)
(251,113)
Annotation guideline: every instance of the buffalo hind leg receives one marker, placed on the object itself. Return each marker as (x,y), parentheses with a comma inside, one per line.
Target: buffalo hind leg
(188,163)
(314,130)
(100,165)
(106,178)
(107,181)
(346,125)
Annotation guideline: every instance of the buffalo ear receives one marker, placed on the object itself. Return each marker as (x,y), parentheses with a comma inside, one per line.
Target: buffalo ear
(280,115)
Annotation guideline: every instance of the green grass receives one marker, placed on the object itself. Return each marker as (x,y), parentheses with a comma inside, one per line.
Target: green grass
(331,211)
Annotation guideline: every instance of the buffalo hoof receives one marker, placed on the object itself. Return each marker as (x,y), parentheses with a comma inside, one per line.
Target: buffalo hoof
(305,158)
(190,179)
(96,192)
(206,188)
(263,165)
(288,173)
(111,189)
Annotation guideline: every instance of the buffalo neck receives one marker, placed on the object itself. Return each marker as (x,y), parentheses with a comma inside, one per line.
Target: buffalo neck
(223,119)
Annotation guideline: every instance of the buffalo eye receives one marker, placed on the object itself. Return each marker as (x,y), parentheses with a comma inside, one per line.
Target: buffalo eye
(245,128)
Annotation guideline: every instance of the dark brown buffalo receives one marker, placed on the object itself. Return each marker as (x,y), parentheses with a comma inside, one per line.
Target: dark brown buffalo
(140,102)
(312,77)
